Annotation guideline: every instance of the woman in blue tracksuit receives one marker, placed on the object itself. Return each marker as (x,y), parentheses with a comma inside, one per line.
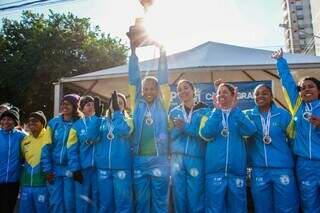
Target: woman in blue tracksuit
(113,159)
(226,162)
(81,152)
(61,189)
(273,184)
(304,106)
(10,159)
(187,151)
(150,100)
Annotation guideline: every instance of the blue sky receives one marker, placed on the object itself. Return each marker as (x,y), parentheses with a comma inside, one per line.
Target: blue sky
(183,24)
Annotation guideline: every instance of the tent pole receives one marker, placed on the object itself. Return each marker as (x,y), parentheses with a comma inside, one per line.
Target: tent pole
(279,102)
(91,87)
(58,91)
(270,73)
(248,75)
(180,76)
(211,75)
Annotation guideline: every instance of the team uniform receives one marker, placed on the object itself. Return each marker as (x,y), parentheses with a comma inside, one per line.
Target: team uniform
(273,184)
(34,196)
(150,140)
(81,154)
(113,163)
(306,142)
(62,188)
(225,161)
(10,162)
(187,159)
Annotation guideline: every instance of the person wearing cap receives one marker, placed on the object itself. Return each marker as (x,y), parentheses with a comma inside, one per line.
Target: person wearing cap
(304,106)
(62,187)
(37,168)
(113,159)
(10,140)
(4,107)
(81,153)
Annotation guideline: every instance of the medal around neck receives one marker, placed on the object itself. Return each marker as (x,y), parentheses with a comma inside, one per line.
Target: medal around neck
(307,115)
(267,139)
(149,120)
(110,136)
(225,132)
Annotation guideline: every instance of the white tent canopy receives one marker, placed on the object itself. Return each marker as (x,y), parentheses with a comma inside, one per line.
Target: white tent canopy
(204,64)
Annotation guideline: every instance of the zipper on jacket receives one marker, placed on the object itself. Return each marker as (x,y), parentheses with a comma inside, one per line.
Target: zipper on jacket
(92,159)
(265,155)
(155,141)
(227,157)
(186,150)
(64,135)
(31,176)
(310,155)
(8,161)
(110,146)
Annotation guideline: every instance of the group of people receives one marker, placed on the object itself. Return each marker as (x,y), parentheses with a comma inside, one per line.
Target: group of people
(85,160)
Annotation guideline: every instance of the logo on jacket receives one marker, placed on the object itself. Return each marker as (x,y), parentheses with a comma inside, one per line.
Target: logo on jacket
(194,172)
(284,179)
(239,183)
(121,175)
(41,198)
(82,132)
(260,181)
(137,173)
(68,173)
(156,172)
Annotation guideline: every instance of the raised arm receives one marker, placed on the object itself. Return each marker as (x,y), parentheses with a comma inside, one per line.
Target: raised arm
(163,79)
(289,85)
(134,79)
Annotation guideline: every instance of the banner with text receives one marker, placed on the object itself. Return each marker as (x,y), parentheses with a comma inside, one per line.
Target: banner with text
(204,92)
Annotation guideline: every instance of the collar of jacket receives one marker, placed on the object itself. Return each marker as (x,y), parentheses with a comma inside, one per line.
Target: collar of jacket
(315,103)
(43,131)
(62,121)
(274,110)
(12,131)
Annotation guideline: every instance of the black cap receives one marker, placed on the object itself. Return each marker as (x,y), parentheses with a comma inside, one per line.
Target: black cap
(11,113)
(40,116)
(84,100)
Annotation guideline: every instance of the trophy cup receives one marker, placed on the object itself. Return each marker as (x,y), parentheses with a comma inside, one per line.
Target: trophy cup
(137,33)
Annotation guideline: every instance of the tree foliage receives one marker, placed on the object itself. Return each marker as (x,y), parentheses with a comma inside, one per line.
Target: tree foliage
(37,50)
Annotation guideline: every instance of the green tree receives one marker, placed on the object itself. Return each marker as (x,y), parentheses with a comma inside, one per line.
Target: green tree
(38,50)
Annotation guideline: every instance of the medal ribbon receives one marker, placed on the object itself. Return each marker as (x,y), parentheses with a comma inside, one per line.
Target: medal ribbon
(308,107)
(148,112)
(225,118)
(187,118)
(110,128)
(265,124)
